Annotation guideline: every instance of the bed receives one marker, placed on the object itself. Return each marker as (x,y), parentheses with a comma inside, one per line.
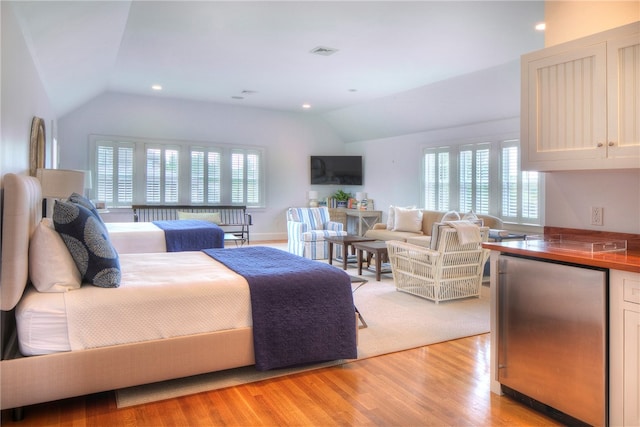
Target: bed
(164,236)
(228,298)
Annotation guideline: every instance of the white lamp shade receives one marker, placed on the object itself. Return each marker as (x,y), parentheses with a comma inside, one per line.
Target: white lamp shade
(361,195)
(60,183)
(313,195)
(88,183)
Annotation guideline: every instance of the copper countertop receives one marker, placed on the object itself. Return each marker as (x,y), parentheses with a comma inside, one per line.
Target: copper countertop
(626,261)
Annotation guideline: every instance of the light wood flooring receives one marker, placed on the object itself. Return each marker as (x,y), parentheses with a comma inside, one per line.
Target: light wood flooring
(445,384)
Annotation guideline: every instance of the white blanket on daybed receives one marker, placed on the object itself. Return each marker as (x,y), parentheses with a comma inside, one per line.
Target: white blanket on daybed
(136,237)
(161,295)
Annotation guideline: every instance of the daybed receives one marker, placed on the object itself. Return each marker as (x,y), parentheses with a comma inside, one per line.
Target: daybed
(233,219)
(178,339)
(164,236)
(416,225)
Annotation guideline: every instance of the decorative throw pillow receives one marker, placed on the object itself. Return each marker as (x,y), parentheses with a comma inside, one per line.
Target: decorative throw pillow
(213,217)
(88,242)
(84,202)
(472,217)
(408,220)
(435,234)
(391,216)
(51,267)
(450,216)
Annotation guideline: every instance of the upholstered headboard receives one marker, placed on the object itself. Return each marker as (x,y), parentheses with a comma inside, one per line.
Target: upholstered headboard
(22,211)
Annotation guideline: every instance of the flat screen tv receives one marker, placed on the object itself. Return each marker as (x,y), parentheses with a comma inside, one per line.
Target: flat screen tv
(340,170)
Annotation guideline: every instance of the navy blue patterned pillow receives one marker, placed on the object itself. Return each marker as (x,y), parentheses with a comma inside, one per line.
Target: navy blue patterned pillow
(83,201)
(87,239)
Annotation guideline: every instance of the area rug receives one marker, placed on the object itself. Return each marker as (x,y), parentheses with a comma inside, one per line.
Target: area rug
(396,321)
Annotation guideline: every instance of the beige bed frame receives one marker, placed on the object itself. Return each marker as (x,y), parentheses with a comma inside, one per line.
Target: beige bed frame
(36,379)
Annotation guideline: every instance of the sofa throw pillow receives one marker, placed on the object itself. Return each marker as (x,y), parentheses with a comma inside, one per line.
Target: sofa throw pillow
(85,202)
(408,220)
(51,267)
(435,234)
(213,217)
(391,216)
(472,217)
(88,243)
(450,216)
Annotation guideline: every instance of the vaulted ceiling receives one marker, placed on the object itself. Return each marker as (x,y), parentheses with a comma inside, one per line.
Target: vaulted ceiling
(258,53)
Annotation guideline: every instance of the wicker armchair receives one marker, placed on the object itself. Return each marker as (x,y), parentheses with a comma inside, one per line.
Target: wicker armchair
(449,272)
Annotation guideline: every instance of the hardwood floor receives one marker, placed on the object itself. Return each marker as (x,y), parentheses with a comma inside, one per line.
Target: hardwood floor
(445,384)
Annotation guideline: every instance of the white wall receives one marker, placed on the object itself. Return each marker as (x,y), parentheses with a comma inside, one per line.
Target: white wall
(393,165)
(570,196)
(22,97)
(289,138)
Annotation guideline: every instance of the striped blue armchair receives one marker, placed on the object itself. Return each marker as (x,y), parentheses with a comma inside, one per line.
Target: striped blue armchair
(307,229)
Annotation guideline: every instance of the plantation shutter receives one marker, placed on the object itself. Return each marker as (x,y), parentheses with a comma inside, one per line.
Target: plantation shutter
(114,173)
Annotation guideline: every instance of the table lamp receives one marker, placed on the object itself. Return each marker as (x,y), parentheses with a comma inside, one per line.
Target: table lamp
(313,199)
(59,184)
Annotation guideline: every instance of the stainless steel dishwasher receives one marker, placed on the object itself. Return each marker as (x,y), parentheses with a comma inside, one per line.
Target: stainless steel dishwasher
(552,335)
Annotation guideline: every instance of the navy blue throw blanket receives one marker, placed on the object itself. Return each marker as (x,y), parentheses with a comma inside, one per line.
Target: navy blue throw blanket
(191,235)
(302,310)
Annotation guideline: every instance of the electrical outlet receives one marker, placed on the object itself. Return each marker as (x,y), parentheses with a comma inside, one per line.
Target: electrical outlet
(596,216)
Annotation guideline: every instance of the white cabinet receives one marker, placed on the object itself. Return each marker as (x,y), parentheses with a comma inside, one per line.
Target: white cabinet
(624,348)
(581,103)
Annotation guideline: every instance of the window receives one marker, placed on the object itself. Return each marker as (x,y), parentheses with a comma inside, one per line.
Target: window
(473,175)
(113,170)
(436,179)
(489,181)
(520,189)
(162,175)
(157,172)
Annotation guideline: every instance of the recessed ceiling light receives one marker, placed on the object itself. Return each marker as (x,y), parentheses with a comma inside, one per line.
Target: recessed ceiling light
(541,26)
(322,50)
(156,87)
(306,106)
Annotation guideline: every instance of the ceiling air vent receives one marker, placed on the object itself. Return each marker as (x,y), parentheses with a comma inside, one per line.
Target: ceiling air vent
(324,51)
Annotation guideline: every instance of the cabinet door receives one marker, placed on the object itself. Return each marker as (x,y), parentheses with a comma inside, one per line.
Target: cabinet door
(624,92)
(567,98)
(631,368)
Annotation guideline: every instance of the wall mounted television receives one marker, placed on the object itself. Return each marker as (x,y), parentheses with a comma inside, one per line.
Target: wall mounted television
(340,170)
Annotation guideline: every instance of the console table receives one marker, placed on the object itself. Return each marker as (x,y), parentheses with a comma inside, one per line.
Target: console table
(357,221)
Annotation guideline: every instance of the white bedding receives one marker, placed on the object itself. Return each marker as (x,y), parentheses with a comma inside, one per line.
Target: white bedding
(136,237)
(161,295)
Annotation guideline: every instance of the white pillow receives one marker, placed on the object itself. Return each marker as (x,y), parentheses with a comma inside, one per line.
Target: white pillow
(213,217)
(408,220)
(435,234)
(450,216)
(51,267)
(472,217)
(391,217)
